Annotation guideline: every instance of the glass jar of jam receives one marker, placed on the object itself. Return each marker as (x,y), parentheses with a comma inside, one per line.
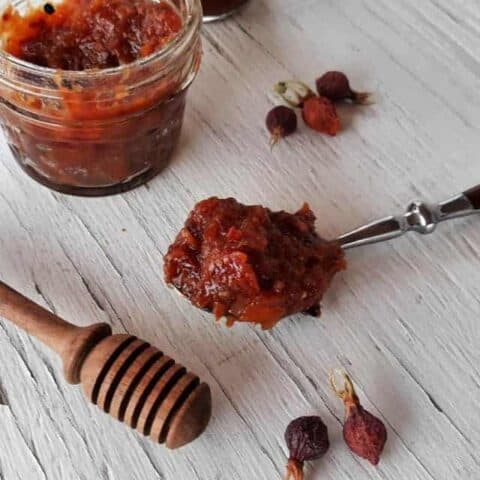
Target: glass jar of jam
(98,131)
(218,9)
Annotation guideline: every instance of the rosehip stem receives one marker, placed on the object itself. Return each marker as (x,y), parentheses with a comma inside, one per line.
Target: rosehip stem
(347,394)
(363,98)
(275,137)
(294,469)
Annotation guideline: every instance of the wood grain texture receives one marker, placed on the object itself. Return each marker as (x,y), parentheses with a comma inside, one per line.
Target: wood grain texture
(403,319)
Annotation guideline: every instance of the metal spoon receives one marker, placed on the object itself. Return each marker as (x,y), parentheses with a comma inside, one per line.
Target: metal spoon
(420,217)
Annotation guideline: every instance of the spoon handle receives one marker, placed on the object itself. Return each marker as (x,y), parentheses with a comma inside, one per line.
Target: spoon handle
(419,217)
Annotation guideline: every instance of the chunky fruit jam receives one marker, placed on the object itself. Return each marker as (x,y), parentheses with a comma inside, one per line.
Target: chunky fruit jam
(77,129)
(250,264)
(86,34)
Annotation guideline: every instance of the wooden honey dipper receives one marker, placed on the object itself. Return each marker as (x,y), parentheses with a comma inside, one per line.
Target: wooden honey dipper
(126,377)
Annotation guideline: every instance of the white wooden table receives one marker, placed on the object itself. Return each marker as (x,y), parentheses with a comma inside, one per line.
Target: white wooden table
(404,319)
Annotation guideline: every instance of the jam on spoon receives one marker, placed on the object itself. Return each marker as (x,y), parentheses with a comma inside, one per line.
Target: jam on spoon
(249,264)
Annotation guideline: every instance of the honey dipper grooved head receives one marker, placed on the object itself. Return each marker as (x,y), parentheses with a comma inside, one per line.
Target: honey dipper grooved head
(147,390)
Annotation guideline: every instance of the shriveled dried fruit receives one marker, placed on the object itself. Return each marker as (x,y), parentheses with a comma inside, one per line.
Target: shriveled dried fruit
(364,433)
(281,121)
(320,114)
(307,439)
(292,92)
(335,86)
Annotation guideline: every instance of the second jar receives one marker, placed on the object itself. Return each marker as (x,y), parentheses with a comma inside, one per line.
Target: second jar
(218,9)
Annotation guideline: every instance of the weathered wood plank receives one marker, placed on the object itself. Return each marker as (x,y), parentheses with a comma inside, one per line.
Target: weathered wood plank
(402,319)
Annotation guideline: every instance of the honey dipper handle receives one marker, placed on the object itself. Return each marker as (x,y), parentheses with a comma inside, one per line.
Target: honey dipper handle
(72,343)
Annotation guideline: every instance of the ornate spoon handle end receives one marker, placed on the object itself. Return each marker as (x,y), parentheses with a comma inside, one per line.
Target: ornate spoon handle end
(420,217)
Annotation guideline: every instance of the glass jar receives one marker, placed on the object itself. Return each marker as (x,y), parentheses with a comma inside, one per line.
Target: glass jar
(99,132)
(218,9)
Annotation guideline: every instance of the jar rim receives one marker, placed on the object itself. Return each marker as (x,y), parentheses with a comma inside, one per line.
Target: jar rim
(191,23)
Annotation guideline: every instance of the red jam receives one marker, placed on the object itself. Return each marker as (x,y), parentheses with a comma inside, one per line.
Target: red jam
(250,264)
(86,34)
(81,132)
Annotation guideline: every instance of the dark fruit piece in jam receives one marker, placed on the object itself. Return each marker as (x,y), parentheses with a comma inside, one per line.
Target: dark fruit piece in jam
(281,121)
(320,114)
(335,86)
(364,433)
(307,439)
(49,9)
(249,264)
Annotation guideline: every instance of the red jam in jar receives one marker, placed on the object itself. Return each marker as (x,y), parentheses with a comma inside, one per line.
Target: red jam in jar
(86,34)
(93,91)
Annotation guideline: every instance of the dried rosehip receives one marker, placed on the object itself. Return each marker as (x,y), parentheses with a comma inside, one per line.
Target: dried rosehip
(307,439)
(281,121)
(336,86)
(364,433)
(320,114)
(292,92)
